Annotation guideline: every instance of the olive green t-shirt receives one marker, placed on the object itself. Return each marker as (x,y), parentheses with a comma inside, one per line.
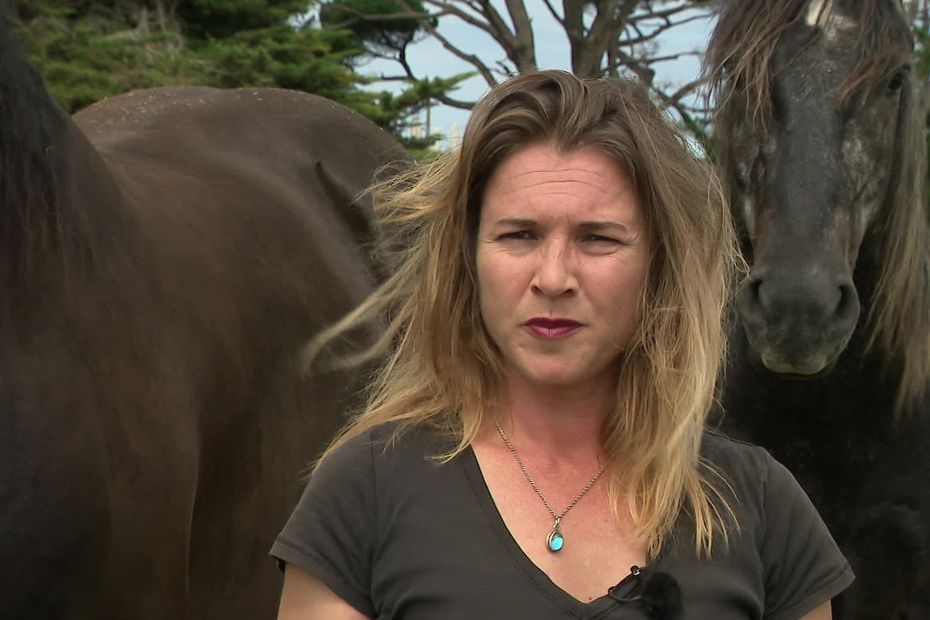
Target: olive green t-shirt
(397,535)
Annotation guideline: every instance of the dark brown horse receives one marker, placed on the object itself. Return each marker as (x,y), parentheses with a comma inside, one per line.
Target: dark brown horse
(163,259)
(823,153)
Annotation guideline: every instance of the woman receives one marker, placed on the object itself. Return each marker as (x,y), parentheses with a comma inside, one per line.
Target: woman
(538,428)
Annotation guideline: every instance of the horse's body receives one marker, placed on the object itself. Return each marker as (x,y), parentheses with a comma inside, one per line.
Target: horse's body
(163,259)
(822,152)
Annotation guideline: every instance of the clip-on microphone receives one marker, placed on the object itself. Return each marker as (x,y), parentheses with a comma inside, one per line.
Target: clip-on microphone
(658,593)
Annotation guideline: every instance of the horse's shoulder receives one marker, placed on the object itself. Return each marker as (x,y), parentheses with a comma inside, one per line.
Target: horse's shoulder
(112,113)
(180,108)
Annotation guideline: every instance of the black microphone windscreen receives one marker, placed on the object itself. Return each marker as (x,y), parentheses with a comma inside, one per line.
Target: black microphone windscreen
(662,597)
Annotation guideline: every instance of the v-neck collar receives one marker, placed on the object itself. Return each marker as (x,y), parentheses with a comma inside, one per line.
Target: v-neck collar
(589,611)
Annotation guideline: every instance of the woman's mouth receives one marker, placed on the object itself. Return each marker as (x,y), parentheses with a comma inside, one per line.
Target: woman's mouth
(551,329)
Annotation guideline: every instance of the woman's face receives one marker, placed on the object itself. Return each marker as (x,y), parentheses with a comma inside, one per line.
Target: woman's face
(562,256)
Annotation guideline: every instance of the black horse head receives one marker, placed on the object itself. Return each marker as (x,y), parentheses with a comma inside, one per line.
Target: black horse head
(822,152)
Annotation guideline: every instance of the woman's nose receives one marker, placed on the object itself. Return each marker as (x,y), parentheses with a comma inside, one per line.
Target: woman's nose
(555,271)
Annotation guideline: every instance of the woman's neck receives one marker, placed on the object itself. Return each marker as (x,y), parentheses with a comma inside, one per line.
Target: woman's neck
(558,421)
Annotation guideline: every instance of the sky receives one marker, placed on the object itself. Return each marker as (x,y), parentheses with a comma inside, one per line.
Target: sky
(429,59)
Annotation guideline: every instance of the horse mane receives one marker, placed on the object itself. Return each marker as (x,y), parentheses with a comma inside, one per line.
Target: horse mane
(899,318)
(739,57)
(32,160)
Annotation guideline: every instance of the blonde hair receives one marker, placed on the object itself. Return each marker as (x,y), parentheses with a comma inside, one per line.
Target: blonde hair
(442,368)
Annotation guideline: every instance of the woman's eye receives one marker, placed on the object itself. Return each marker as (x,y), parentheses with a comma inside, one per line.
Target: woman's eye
(599,239)
(518,234)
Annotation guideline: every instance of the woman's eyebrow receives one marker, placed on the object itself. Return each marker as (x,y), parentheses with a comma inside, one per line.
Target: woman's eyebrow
(589,225)
(598,225)
(516,221)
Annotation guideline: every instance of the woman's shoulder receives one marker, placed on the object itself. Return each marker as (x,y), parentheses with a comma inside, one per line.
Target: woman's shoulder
(387,444)
(763,488)
(739,459)
(743,471)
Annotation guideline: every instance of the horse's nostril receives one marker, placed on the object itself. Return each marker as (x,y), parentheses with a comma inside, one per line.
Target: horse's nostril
(759,293)
(848,307)
(752,296)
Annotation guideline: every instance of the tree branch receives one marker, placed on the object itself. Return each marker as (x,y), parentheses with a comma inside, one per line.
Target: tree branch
(471,59)
(524,52)
(668,57)
(589,45)
(555,15)
(454,103)
(654,34)
(447,8)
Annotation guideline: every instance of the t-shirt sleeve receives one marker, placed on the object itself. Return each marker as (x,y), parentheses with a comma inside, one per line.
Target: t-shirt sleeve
(329,535)
(804,567)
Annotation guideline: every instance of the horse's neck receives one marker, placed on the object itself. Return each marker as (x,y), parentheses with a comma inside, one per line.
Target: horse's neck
(54,187)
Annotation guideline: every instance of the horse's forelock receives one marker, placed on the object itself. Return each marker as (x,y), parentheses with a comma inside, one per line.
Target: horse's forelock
(742,46)
(740,51)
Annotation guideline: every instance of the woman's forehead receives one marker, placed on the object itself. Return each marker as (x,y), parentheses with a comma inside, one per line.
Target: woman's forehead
(542,176)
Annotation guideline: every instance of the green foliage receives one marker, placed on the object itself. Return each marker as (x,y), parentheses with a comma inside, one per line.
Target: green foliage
(91,49)
(922,39)
(411,102)
(371,21)
(277,56)
(83,62)
(218,19)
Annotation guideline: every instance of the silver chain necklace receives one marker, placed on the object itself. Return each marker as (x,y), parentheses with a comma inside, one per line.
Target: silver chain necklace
(555,540)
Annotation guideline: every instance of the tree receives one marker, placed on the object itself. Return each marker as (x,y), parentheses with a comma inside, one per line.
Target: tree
(605,37)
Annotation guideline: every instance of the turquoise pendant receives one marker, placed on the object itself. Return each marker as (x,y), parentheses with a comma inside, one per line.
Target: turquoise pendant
(555,540)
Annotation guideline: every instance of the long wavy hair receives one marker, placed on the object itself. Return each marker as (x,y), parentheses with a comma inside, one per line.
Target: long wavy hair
(441,366)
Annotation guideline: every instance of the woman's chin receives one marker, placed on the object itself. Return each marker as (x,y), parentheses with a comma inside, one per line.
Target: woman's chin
(561,379)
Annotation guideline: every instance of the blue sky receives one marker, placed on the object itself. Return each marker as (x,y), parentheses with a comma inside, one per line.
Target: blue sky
(429,59)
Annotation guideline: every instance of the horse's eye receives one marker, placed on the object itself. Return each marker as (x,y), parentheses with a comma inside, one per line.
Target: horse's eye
(726,69)
(897,80)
